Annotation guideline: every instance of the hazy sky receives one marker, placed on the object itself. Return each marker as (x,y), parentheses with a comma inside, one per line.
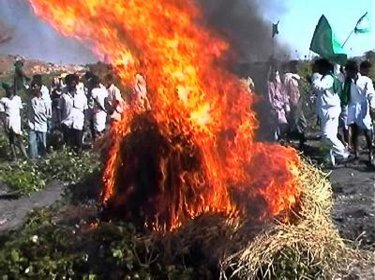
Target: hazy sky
(298,23)
(298,19)
(36,39)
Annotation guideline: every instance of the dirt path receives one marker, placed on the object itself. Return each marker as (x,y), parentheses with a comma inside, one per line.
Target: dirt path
(354,210)
(13,212)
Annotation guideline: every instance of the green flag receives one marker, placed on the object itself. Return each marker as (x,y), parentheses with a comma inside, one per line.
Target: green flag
(325,43)
(275,29)
(363,24)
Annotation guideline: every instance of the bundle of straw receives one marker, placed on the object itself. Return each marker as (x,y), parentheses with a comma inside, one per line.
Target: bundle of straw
(247,249)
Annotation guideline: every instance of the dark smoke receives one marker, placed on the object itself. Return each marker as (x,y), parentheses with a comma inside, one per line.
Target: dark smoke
(244,25)
(242,22)
(28,36)
(4,33)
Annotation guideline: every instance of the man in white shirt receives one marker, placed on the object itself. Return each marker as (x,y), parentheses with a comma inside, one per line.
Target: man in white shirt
(115,100)
(11,107)
(73,106)
(361,101)
(99,95)
(45,94)
(38,118)
(329,109)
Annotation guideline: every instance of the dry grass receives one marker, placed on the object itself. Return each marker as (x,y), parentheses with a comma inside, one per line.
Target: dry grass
(313,240)
(308,248)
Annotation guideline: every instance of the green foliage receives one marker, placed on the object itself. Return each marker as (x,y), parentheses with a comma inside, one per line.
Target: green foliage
(45,250)
(23,177)
(290,263)
(4,147)
(68,167)
(64,166)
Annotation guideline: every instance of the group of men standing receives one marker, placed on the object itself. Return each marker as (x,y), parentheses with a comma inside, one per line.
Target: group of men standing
(71,103)
(287,117)
(346,102)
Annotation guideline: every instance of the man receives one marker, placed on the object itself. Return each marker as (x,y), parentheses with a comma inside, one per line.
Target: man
(140,100)
(99,95)
(360,93)
(88,86)
(38,118)
(73,106)
(20,78)
(296,118)
(365,68)
(279,103)
(45,95)
(11,107)
(343,132)
(56,92)
(115,100)
(329,109)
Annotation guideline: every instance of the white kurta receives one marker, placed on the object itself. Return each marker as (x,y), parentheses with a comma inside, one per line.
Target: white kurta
(100,115)
(73,107)
(329,109)
(47,99)
(362,98)
(12,109)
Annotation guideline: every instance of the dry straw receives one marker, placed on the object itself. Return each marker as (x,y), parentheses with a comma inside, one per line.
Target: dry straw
(313,236)
(246,250)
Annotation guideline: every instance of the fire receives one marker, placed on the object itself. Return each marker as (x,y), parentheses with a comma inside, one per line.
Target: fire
(192,96)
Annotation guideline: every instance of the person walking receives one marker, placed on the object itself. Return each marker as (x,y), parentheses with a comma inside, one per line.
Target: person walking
(361,100)
(329,109)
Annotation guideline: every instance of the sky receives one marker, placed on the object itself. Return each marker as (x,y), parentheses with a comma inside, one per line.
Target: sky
(298,19)
(34,38)
(298,22)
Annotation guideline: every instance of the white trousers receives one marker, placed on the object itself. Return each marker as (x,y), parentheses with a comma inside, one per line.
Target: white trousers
(329,123)
(100,119)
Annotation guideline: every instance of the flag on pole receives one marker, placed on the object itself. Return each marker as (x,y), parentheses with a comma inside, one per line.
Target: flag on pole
(325,43)
(363,24)
(275,29)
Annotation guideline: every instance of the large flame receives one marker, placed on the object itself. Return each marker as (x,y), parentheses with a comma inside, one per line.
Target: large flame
(191,94)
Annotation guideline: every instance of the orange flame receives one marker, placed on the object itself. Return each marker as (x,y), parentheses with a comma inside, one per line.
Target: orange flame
(191,92)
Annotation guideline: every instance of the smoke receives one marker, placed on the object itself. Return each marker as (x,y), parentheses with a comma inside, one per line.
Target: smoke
(26,35)
(4,33)
(240,21)
(243,23)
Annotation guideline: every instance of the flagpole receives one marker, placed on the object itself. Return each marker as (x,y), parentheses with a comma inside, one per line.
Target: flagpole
(347,39)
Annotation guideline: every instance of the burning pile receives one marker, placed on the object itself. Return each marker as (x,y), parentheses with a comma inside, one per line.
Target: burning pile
(205,154)
(194,153)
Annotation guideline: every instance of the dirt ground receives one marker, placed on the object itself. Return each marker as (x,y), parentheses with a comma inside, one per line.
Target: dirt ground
(13,211)
(354,212)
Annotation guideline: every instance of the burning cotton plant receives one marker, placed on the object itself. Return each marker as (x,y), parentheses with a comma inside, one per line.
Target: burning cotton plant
(194,152)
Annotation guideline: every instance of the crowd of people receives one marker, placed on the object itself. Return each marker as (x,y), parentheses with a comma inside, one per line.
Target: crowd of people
(345,106)
(345,103)
(72,103)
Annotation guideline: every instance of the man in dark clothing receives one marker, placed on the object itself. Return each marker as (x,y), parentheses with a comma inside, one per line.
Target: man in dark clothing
(20,78)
